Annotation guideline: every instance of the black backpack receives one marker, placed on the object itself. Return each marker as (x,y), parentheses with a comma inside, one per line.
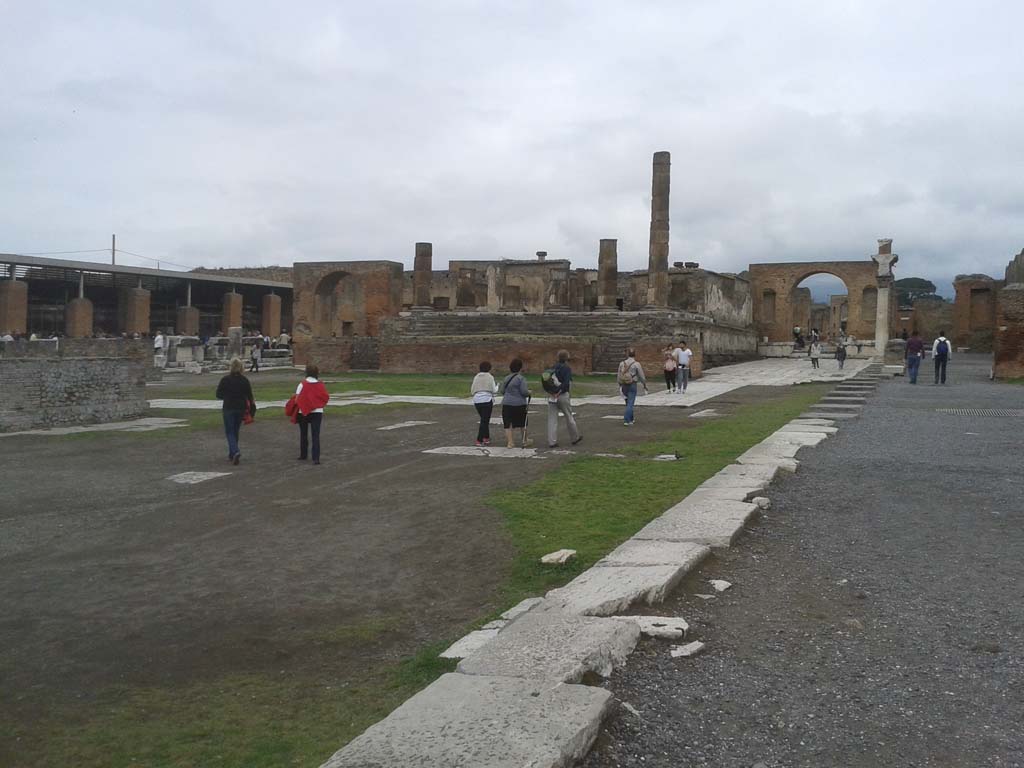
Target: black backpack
(942,348)
(549,382)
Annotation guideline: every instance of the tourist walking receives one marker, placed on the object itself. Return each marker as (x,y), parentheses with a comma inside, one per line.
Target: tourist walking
(942,350)
(236,392)
(559,401)
(915,354)
(158,343)
(630,375)
(815,353)
(483,390)
(515,397)
(255,354)
(310,398)
(840,355)
(670,366)
(682,355)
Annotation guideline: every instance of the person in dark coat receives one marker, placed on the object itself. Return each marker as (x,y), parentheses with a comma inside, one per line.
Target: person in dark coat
(236,392)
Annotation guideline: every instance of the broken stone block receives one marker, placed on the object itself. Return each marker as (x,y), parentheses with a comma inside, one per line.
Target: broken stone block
(686,651)
(559,557)
(470,720)
(469,644)
(720,585)
(610,590)
(763,502)
(666,457)
(640,552)
(709,521)
(522,607)
(554,646)
(664,627)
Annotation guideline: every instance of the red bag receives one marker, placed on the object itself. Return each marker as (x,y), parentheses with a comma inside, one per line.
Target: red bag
(291,409)
(250,412)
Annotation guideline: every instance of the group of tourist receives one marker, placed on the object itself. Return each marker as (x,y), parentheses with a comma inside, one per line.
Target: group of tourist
(942,351)
(305,408)
(677,367)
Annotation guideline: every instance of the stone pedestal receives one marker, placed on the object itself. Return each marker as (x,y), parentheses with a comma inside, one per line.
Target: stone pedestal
(608,275)
(13,306)
(270,315)
(657,266)
(134,310)
(232,311)
(884,260)
(78,318)
(187,321)
(422,275)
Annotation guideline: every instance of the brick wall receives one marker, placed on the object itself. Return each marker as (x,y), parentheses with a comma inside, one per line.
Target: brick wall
(1009,333)
(82,381)
(448,355)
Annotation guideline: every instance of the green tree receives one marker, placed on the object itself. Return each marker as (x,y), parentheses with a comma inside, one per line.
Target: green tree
(909,289)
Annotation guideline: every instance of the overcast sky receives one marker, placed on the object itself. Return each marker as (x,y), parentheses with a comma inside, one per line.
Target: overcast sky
(248,133)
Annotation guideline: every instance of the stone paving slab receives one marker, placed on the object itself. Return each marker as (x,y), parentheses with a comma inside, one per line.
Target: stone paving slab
(812,428)
(147,424)
(838,407)
(825,415)
(555,646)
(636,552)
(470,644)
(492,451)
(475,721)
(784,464)
(715,524)
(843,399)
(609,590)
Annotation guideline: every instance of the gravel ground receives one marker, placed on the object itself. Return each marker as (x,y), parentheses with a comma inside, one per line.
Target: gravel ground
(876,616)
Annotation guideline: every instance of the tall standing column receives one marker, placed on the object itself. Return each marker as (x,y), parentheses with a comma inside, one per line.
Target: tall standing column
(422,275)
(13,305)
(657,265)
(232,312)
(270,315)
(885,258)
(608,274)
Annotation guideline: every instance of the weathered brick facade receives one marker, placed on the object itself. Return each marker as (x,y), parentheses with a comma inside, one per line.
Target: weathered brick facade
(133,311)
(78,318)
(75,381)
(232,317)
(974,311)
(270,315)
(1009,333)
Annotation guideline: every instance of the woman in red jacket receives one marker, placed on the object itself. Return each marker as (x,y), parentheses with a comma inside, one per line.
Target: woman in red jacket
(310,397)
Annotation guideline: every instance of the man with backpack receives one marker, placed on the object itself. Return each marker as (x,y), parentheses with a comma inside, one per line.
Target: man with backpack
(629,375)
(556,382)
(941,352)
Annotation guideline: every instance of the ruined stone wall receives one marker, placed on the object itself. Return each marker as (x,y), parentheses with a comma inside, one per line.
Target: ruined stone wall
(352,354)
(1008,344)
(929,316)
(277,274)
(1015,269)
(974,311)
(78,381)
(446,354)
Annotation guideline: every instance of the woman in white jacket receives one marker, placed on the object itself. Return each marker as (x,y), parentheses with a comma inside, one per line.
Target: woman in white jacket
(483,390)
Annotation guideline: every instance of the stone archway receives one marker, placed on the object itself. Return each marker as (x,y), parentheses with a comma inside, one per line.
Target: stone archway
(772,286)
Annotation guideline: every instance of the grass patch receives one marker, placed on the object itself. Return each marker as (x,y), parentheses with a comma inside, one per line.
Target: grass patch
(594,504)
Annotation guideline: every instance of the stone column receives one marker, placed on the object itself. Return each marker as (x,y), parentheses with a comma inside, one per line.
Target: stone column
(187,321)
(657,265)
(608,275)
(13,306)
(134,310)
(232,311)
(885,258)
(495,287)
(422,276)
(234,335)
(78,318)
(270,316)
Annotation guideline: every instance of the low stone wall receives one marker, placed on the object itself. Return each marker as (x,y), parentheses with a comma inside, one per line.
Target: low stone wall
(463,355)
(75,381)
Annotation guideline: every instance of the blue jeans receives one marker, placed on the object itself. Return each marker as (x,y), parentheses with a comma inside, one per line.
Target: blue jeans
(682,376)
(913,364)
(232,424)
(629,392)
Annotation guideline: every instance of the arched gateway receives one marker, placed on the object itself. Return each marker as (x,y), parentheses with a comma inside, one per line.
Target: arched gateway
(870,303)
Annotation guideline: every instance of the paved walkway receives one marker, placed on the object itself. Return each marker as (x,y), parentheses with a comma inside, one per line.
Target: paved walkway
(876,614)
(777,372)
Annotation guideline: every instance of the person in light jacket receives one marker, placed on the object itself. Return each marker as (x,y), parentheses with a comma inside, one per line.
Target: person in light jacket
(310,397)
(942,350)
(483,390)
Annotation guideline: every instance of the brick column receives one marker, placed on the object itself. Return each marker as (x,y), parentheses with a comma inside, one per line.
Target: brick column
(187,321)
(270,317)
(422,275)
(134,310)
(608,274)
(657,265)
(13,306)
(78,318)
(232,311)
